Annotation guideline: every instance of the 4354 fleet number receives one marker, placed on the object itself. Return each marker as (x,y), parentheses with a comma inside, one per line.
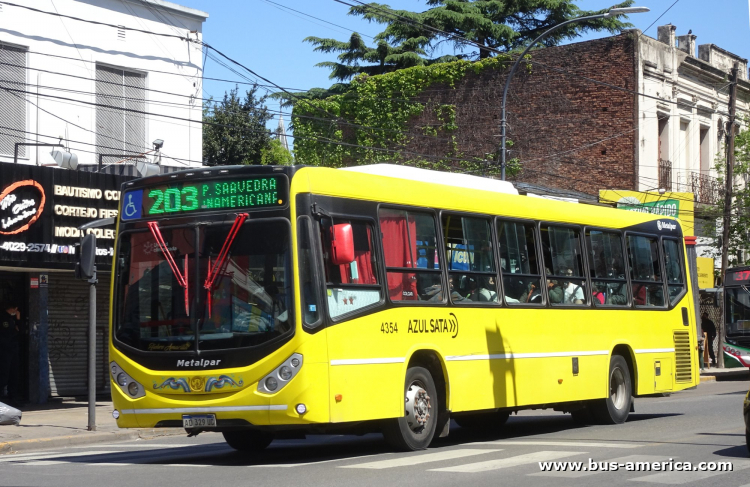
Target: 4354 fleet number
(389,327)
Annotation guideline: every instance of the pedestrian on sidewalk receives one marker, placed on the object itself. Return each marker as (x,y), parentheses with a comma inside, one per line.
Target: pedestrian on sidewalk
(10,356)
(709,328)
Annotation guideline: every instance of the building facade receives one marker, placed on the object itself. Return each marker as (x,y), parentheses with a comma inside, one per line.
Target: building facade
(111,95)
(624,112)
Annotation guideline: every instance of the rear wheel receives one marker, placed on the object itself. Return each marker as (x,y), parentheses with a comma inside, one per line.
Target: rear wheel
(248,440)
(488,421)
(416,428)
(615,408)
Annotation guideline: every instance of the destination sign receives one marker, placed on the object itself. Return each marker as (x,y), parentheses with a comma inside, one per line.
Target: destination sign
(185,197)
(738,276)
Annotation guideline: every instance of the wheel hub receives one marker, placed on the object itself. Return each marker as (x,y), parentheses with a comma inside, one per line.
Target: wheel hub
(617,388)
(417,407)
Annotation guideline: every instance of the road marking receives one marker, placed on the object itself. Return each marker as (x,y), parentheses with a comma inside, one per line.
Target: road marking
(677,478)
(540,456)
(417,459)
(184,465)
(20,456)
(287,465)
(574,444)
(153,445)
(573,475)
(46,455)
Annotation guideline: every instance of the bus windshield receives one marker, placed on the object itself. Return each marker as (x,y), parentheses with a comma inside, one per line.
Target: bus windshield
(737,311)
(206,287)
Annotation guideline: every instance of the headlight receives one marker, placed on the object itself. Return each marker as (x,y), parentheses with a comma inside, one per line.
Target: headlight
(285,372)
(281,375)
(126,383)
(271,384)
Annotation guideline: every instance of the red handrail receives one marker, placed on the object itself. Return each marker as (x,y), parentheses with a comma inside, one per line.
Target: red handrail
(221,259)
(181,280)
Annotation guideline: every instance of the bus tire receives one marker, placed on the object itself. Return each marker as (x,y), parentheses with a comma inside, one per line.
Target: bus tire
(416,428)
(248,440)
(492,421)
(747,438)
(615,408)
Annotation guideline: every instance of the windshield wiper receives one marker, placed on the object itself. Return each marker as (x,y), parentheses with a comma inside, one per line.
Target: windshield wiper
(181,280)
(221,259)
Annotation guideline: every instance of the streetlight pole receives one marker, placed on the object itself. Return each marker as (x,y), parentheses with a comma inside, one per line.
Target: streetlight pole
(503,120)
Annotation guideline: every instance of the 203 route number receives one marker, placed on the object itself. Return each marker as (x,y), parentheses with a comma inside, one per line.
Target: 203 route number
(387,327)
(199,421)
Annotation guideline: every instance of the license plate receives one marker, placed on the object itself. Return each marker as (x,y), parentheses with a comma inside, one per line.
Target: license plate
(199,421)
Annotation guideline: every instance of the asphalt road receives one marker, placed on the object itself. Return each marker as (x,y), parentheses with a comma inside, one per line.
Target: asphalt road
(702,425)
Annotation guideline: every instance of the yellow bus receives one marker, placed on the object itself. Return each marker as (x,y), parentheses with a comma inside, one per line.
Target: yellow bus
(265,302)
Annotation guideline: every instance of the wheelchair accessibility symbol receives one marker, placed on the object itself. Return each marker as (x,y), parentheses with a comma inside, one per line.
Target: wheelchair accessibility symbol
(132,210)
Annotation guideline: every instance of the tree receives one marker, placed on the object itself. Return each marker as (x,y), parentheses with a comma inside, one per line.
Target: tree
(411,38)
(276,155)
(739,239)
(234,130)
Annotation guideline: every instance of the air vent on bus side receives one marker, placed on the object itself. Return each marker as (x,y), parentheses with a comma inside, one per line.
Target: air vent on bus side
(682,356)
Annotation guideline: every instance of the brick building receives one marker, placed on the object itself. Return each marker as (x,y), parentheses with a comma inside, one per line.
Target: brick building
(622,112)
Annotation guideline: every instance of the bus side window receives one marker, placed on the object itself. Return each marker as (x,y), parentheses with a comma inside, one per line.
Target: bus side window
(310,305)
(645,271)
(470,259)
(607,268)
(566,282)
(411,259)
(674,270)
(522,280)
(353,285)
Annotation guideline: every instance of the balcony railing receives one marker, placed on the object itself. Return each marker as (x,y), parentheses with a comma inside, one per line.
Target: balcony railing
(665,174)
(705,188)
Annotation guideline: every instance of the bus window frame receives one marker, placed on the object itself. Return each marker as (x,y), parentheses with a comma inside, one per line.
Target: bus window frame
(624,248)
(439,240)
(584,258)
(537,247)
(317,275)
(493,240)
(680,243)
(196,225)
(632,281)
(141,227)
(379,256)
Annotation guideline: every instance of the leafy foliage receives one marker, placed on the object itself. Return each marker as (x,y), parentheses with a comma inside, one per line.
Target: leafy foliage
(235,132)
(413,38)
(739,227)
(276,155)
(369,122)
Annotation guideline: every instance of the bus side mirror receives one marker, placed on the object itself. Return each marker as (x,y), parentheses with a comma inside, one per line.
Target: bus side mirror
(342,244)
(85,268)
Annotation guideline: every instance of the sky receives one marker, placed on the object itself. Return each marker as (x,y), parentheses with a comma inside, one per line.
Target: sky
(269,39)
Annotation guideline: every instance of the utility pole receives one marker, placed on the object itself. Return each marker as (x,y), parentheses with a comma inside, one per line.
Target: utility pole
(728,202)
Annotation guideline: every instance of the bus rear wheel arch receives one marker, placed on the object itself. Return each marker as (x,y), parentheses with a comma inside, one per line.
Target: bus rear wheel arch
(415,430)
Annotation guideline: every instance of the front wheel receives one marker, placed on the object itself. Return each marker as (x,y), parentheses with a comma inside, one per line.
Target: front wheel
(248,440)
(615,408)
(416,428)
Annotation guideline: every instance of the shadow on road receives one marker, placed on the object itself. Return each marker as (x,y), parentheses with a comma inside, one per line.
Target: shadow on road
(733,452)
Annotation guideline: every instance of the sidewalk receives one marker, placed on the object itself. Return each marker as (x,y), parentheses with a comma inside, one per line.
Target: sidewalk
(716,374)
(62,424)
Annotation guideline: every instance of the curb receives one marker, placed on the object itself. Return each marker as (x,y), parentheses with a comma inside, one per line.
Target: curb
(708,378)
(86,438)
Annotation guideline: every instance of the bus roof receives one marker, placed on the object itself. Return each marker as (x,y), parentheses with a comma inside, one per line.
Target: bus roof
(436,177)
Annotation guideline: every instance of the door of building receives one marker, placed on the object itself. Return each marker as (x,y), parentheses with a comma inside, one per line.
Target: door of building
(13,292)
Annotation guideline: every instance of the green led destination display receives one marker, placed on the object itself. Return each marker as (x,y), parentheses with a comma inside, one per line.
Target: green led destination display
(247,193)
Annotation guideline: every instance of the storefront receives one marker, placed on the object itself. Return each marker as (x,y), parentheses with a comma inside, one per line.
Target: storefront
(41,209)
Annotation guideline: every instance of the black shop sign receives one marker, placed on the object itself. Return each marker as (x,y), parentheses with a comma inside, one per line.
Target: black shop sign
(41,209)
